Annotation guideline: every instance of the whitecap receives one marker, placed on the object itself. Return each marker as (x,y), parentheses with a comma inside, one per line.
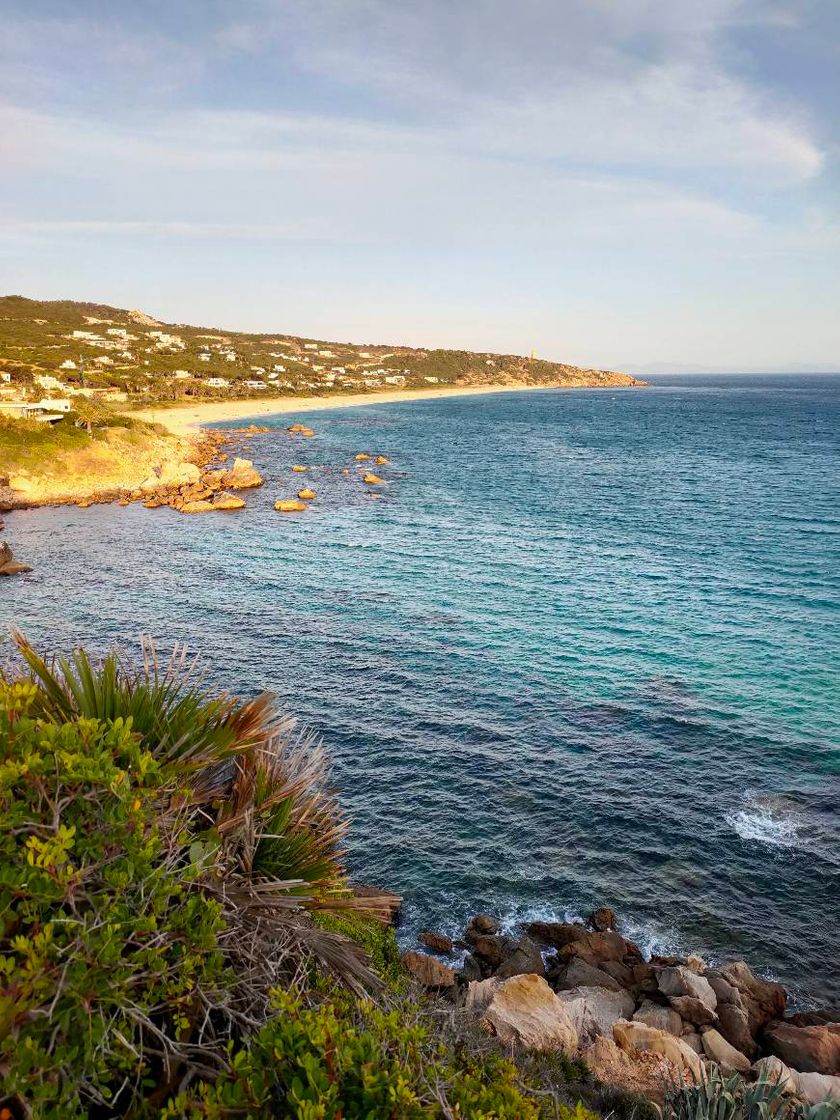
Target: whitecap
(760,823)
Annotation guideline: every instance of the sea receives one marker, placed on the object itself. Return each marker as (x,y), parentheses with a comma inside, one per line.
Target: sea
(581,647)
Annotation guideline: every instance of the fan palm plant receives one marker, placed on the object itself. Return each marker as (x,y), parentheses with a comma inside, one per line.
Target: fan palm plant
(247,789)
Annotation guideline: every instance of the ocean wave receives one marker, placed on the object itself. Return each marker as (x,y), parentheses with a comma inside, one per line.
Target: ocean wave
(763,823)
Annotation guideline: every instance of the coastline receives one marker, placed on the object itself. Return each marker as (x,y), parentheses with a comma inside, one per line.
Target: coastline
(185,420)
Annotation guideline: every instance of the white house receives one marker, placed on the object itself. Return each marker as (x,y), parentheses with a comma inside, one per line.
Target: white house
(395,379)
(68,364)
(255,384)
(310,345)
(217,383)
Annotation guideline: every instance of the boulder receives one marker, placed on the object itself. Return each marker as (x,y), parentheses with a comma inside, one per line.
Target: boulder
(200,506)
(438,942)
(661,1018)
(428,971)
(636,1036)
(241,476)
(8,565)
(775,1071)
(719,1050)
(815,1018)
(372,479)
(524,1011)
(381,460)
(224,500)
(636,1072)
(179,474)
(814,1088)
(693,1010)
(695,963)
(213,480)
(603,919)
(681,981)
(296,428)
(298,468)
(556,934)
(578,973)
(307,495)
(289,505)
(480,994)
(525,957)
(492,949)
(763,1000)
(809,1049)
(361,457)
(695,1041)
(308,432)
(600,1008)
(481,923)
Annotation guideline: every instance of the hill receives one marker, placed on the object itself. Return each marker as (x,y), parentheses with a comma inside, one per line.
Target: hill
(89,345)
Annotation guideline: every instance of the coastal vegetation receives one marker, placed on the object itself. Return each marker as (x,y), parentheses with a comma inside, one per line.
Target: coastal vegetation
(178,936)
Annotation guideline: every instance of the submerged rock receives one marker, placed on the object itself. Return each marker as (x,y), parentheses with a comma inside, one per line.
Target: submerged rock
(438,942)
(289,505)
(228,501)
(373,479)
(603,919)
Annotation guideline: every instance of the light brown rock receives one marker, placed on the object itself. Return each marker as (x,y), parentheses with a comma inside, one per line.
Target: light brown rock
(661,1018)
(241,476)
(524,1011)
(636,1036)
(373,479)
(724,1053)
(439,942)
(382,460)
(814,1049)
(200,506)
(638,1071)
(480,994)
(362,456)
(775,1071)
(298,468)
(694,1010)
(814,1088)
(228,501)
(307,494)
(681,981)
(289,505)
(601,1008)
(428,971)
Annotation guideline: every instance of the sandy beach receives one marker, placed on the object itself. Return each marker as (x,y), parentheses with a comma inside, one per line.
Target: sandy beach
(185,419)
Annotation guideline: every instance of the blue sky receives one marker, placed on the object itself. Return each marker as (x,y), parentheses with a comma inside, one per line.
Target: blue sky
(637,184)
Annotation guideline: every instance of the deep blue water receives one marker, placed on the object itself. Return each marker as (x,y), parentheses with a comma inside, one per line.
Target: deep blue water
(585,649)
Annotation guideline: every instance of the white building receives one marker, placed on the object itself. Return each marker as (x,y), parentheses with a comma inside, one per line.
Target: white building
(395,379)
(310,345)
(217,383)
(68,364)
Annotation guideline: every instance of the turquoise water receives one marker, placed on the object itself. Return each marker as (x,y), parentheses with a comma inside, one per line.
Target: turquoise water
(585,649)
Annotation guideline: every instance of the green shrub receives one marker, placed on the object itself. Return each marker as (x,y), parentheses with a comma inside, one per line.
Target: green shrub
(108,952)
(720,1098)
(348,1059)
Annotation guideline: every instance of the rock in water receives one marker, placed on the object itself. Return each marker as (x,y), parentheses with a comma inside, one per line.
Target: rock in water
(241,476)
(360,458)
(438,942)
(289,505)
(525,1012)
(428,971)
(307,495)
(372,479)
(8,565)
(603,919)
(224,500)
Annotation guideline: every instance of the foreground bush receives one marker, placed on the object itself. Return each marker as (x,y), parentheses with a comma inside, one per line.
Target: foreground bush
(176,933)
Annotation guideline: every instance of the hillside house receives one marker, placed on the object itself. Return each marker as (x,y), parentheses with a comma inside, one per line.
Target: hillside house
(217,383)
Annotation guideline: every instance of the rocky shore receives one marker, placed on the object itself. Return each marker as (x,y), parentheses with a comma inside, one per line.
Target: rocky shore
(638,1024)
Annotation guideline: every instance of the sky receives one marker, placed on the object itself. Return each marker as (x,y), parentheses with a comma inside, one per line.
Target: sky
(649,185)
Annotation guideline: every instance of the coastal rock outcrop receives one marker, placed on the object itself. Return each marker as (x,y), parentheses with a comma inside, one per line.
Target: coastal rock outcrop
(724,1053)
(814,1088)
(774,1070)
(9,566)
(437,942)
(524,1011)
(813,1049)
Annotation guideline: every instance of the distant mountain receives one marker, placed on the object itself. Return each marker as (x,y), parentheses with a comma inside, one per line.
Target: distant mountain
(110,346)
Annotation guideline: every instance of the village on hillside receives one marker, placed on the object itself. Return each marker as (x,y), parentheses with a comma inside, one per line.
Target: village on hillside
(52,353)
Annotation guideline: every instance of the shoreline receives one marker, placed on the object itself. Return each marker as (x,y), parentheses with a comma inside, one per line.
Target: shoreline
(187,420)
